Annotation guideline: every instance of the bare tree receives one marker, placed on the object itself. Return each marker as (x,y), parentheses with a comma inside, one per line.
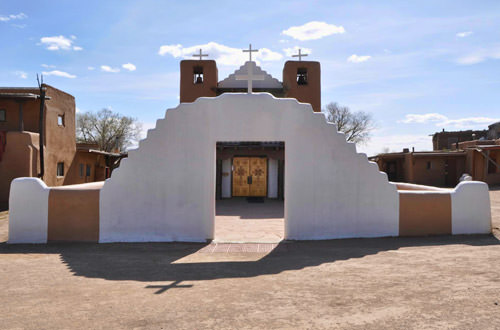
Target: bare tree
(109,130)
(357,126)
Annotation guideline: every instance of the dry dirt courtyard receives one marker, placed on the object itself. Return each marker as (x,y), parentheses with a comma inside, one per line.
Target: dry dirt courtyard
(440,282)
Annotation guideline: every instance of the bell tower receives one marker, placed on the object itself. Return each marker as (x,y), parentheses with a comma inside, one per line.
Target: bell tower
(198,78)
(302,81)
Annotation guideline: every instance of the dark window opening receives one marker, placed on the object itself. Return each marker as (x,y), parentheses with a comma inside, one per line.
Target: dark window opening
(429,165)
(198,75)
(81,170)
(88,170)
(60,169)
(492,168)
(3,115)
(302,76)
(60,120)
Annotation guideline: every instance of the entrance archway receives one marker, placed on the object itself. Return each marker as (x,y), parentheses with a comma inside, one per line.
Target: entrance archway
(249,191)
(165,190)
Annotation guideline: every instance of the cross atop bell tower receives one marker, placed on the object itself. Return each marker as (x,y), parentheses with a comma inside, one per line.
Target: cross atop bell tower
(200,55)
(299,55)
(250,51)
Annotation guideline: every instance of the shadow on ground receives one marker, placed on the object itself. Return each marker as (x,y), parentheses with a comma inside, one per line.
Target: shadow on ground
(157,261)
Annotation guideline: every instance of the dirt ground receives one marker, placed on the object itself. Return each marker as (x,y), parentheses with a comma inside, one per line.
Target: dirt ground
(390,283)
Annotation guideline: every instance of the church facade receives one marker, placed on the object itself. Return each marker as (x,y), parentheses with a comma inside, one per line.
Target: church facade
(226,140)
(251,168)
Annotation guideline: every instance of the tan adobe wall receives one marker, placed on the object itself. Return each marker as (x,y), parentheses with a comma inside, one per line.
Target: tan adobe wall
(189,91)
(60,141)
(74,213)
(310,93)
(97,172)
(424,213)
(19,160)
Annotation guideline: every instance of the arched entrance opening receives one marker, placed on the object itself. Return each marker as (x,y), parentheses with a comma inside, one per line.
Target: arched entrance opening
(249,191)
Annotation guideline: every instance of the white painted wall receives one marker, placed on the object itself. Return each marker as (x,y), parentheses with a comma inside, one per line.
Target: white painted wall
(28,211)
(470,208)
(226,180)
(165,189)
(272,177)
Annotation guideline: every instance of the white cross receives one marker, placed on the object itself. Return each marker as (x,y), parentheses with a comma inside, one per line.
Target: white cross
(200,55)
(250,76)
(300,55)
(250,50)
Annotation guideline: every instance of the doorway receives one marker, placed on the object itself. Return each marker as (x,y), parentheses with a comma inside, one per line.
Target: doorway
(249,204)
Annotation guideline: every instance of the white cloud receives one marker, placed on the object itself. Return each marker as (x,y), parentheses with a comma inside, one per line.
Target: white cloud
(90,68)
(129,67)
(21,74)
(59,74)
(358,59)
(295,50)
(479,56)
(283,41)
(313,30)
(224,55)
(395,143)
(13,17)
(107,68)
(59,43)
(443,121)
(464,34)
(423,119)
(48,66)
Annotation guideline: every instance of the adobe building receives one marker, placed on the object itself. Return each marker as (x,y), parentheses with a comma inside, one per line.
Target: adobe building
(447,140)
(20,126)
(478,158)
(225,141)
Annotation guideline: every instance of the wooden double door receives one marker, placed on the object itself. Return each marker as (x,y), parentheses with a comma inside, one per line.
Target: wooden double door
(250,176)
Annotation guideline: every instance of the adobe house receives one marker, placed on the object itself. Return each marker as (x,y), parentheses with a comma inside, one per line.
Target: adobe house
(478,158)
(225,141)
(64,162)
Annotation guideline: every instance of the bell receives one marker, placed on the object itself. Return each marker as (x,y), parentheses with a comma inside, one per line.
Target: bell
(199,80)
(301,80)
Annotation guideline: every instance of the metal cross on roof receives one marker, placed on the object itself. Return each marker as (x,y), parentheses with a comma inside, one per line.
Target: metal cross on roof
(250,51)
(250,77)
(299,55)
(200,55)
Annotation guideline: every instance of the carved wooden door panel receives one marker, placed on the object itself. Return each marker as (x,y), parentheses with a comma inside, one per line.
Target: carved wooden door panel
(241,173)
(258,173)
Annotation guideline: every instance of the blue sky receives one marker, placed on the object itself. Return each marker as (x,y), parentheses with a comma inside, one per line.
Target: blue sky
(416,66)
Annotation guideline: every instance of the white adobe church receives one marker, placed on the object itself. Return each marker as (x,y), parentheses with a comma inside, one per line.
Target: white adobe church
(224,140)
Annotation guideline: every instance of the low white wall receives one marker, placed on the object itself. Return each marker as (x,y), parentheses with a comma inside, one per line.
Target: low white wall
(28,211)
(470,208)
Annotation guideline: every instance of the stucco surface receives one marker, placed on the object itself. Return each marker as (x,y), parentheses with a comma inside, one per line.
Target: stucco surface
(28,211)
(471,210)
(165,190)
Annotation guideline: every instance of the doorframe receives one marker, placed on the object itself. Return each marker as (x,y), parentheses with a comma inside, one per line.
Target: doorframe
(214,177)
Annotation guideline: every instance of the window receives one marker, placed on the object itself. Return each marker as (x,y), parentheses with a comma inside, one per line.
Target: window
(301,76)
(3,115)
(60,120)
(198,75)
(429,165)
(89,168)
(82,167)
(60,169)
